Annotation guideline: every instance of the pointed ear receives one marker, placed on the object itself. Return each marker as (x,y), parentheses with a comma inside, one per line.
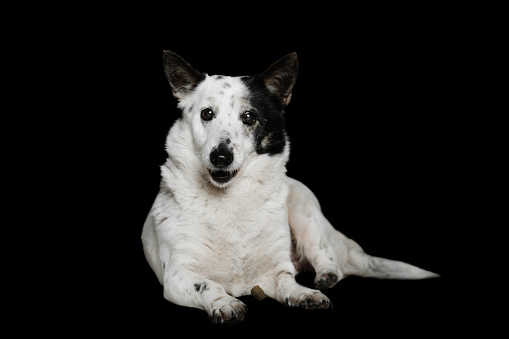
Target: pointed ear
(280,77)
(181,75)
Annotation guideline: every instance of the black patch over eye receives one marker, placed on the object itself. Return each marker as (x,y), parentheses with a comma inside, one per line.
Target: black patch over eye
(249,118)
(207,114)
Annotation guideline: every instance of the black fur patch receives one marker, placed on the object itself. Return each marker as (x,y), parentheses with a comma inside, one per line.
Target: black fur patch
(269,133)
(200,287)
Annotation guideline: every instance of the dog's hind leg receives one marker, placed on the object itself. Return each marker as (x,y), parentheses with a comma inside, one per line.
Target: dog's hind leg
(331,254)
(316,243)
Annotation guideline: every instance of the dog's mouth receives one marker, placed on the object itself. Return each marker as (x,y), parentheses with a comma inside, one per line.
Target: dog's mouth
(222,177)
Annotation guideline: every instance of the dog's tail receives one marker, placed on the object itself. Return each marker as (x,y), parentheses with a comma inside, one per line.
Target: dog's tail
(381,268)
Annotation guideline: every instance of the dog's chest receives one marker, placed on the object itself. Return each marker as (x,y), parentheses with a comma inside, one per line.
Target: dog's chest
(235,240)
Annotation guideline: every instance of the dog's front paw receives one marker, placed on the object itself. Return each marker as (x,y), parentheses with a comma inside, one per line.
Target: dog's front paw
(313,300)
(228,310)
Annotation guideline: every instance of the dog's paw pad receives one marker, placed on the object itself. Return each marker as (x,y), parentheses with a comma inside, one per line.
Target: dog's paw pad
(231,312)
(326,280)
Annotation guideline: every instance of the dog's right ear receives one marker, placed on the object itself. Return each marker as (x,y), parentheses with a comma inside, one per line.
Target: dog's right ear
(181,75)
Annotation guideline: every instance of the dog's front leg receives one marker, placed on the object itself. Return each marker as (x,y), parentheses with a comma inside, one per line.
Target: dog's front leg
(186,288)
(280,285)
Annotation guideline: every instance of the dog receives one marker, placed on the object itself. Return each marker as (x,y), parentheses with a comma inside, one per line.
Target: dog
(228,221)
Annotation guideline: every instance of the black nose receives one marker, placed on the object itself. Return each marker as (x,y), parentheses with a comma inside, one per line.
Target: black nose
(221,156)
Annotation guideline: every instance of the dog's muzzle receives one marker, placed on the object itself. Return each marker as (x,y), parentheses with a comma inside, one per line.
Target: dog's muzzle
(221,157)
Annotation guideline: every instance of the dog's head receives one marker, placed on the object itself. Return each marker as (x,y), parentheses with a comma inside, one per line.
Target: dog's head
(232,118)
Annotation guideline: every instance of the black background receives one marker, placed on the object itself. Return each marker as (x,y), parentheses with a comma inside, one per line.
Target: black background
(371,124)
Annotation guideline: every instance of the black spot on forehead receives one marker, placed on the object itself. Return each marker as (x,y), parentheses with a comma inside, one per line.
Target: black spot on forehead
(227,85)
(270,117)
(219,77)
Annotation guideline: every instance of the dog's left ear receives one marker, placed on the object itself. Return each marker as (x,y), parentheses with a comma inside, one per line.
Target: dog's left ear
(280,77)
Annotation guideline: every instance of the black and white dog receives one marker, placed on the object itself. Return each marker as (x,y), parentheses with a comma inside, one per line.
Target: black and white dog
(228,221)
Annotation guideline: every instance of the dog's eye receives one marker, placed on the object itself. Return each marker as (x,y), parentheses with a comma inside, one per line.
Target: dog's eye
(207,114)
(249,118)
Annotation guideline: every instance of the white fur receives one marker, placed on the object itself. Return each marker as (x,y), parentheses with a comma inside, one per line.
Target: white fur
(209,243)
